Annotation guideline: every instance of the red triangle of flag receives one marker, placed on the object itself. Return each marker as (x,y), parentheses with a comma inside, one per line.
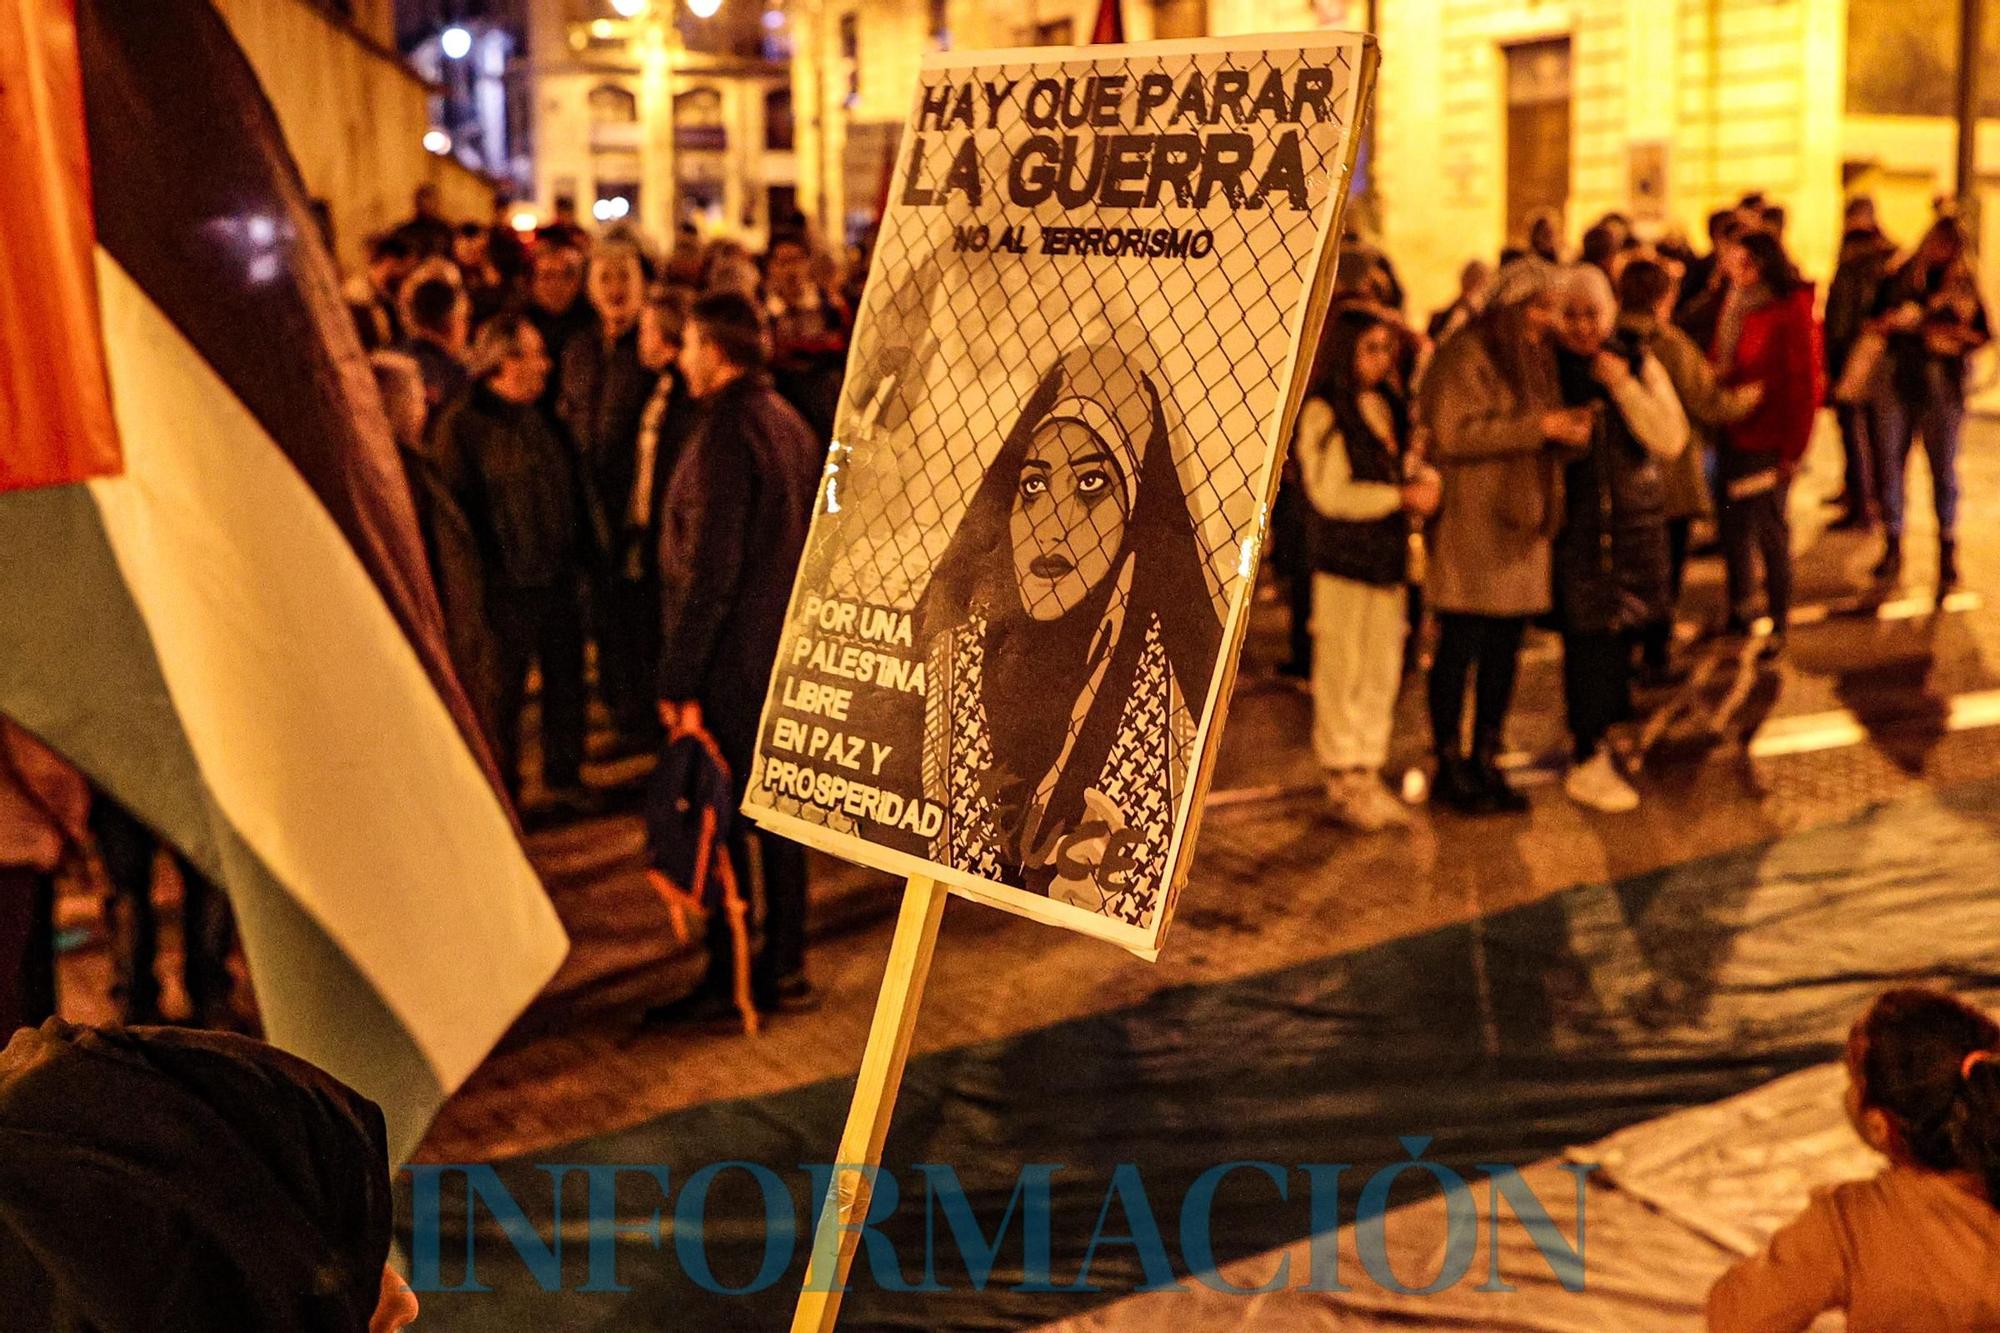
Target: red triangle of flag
(1110,25)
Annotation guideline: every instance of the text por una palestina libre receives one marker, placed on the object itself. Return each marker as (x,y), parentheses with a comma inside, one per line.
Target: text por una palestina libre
(815,754)
(1201,139)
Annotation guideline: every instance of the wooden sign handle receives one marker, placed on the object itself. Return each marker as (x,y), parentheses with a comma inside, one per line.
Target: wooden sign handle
(882,1062)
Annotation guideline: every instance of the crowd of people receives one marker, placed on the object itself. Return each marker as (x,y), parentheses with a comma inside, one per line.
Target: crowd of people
(593,430)
(1542,453)
(613,456)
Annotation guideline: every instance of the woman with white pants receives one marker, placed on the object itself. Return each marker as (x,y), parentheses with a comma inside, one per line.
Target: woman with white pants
(1363,490)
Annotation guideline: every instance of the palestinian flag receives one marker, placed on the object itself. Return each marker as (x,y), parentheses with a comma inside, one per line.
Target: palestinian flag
(213,598)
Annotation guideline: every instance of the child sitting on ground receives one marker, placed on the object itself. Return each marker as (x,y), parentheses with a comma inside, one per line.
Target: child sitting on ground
(1917,1246)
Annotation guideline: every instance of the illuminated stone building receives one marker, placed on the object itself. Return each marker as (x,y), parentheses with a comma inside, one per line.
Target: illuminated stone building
(646,110)
(1490,110)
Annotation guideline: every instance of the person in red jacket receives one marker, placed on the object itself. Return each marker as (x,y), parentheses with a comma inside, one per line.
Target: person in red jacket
(1766,334)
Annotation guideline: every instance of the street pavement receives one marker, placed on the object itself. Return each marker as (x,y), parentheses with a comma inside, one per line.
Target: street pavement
(1879,695)
(1882,703)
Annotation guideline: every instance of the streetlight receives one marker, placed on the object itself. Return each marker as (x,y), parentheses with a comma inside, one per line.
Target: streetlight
(704,9)
(456,43)
(437,141)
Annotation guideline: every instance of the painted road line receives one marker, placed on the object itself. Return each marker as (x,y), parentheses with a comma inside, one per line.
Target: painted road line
(1808,733)
(1909,605)
(1841,728)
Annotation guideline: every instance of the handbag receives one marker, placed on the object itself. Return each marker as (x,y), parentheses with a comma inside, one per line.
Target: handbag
(689,807)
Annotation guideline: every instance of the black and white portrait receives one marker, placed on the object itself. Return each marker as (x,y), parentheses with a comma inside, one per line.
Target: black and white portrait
(1067,627)
(1046,498)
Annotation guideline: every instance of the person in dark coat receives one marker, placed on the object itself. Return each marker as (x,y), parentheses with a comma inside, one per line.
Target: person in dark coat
(666,423)
(1645,296)
(1610,555)
(1703,285)
(1931,312)
(1865,254)
(604,388)
(505,249)
(557,307)
(450,547)
(155,1179)
(371,296)
(517,485)
(440,329)
(809,332)
(562,229)
(486,288)
(426,229)
(732,530)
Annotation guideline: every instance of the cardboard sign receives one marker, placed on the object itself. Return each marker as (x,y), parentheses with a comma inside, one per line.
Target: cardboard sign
(1073,375)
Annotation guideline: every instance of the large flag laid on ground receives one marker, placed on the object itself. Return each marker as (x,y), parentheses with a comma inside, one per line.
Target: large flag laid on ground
(1098,281)
(212,596)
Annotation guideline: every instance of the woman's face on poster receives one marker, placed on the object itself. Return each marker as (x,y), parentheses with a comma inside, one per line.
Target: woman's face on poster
(1068,522)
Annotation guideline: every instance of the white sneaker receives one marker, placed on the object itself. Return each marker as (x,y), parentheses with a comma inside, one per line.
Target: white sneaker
(1599,785)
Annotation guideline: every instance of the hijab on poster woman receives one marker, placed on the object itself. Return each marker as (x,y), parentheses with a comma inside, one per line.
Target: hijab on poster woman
(1069,623)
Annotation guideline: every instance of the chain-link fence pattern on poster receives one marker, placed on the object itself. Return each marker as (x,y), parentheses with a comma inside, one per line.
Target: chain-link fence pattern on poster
(954,339)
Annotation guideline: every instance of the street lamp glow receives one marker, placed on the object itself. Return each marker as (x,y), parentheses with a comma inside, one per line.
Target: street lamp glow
(456,43)
(630,9)
(437,141)
(704,9)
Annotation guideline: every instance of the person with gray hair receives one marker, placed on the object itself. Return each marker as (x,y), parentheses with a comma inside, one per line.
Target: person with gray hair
(1610,553)
(1499,434)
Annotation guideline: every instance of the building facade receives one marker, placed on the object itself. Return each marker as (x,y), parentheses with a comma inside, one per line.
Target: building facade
(644,111)
(1489,111)
(354,114)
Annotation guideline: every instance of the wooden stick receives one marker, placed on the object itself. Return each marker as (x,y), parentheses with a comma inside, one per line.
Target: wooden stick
(882,1062)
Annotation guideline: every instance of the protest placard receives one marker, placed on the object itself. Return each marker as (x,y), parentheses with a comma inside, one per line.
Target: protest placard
(1094,290)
